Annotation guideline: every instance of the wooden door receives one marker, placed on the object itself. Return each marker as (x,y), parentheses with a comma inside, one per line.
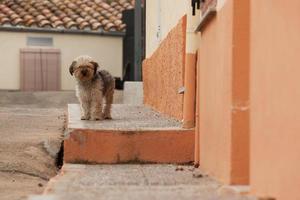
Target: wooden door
(40,69)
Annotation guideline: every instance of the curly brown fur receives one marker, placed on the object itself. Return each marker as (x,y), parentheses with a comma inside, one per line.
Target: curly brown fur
(92,85)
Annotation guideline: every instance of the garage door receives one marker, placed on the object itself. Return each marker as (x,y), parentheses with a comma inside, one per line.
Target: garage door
(40,69)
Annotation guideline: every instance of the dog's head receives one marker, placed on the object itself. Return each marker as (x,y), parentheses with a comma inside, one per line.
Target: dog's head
(83,68)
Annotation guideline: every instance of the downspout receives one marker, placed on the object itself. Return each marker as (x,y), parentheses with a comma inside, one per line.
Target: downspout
(197,118)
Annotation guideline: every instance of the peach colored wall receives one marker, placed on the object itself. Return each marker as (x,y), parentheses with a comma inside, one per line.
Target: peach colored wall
(223,89)
(215,95)
(275,99)
(189,98)
(163,73)
(148,146)
(240,93)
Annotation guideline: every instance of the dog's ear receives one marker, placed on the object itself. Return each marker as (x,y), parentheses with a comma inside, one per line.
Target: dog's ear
(96,66)
(71,68)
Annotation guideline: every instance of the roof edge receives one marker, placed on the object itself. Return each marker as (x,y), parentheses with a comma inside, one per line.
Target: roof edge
(65,31)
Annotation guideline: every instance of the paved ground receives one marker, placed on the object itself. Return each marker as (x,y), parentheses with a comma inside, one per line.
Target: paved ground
(43,99)
(31,128)
(132,182)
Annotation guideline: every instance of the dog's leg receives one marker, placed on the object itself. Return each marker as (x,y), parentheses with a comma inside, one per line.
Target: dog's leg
(108,101)
(85,109)
(96,105)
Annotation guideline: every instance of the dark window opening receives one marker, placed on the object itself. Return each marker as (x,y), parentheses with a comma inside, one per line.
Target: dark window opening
(203,5)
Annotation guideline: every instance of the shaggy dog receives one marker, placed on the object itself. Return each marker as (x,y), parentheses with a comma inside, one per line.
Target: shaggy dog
(92,86)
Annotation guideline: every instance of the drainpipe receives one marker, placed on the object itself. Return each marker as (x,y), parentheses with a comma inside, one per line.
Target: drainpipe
(190,101)
(197,118)
(138,41)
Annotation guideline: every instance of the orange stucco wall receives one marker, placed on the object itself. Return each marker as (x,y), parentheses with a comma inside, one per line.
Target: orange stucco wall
(275,99)
(223,77)
(240,100)
(163,73)
(189,99)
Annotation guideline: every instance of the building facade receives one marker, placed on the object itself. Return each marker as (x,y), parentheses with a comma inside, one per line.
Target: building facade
(40,39)
(233,69)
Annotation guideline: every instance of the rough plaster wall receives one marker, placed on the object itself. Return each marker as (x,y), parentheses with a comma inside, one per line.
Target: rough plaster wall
(106,50)
(163,73)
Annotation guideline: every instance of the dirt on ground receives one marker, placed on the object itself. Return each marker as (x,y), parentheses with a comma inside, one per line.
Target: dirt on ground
(31,130)
(30,139)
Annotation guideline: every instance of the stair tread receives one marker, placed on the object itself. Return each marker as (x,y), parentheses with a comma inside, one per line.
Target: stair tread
(125,118)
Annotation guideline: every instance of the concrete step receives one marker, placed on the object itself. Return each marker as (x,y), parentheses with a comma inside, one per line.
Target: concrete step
(133,182)
(136,134)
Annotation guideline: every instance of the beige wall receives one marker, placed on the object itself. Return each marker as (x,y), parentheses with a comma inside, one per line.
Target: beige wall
(105,50)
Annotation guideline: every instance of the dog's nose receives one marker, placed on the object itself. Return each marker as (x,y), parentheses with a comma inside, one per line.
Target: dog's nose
(84,72)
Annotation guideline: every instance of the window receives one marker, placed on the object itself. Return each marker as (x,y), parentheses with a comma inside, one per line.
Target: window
(39,41)
(208,11)
(204,5)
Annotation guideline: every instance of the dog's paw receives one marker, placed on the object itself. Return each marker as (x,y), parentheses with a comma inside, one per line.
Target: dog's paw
(106,115)
(97,118)
(85,118)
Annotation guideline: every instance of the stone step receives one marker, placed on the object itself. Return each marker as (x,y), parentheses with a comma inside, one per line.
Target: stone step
(136,134)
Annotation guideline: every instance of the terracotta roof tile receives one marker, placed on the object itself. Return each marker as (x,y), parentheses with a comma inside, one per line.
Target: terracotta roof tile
(71,25)
(96,26)
(57,24)
(45,23)
(83,25)
(67,14)
(4,20)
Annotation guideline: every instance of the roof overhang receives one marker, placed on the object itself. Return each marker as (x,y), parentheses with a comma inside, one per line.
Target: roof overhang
(62,31)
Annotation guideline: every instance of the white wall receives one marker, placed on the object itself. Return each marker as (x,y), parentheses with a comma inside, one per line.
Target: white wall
(162,16)
(192,38)
(107,51)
